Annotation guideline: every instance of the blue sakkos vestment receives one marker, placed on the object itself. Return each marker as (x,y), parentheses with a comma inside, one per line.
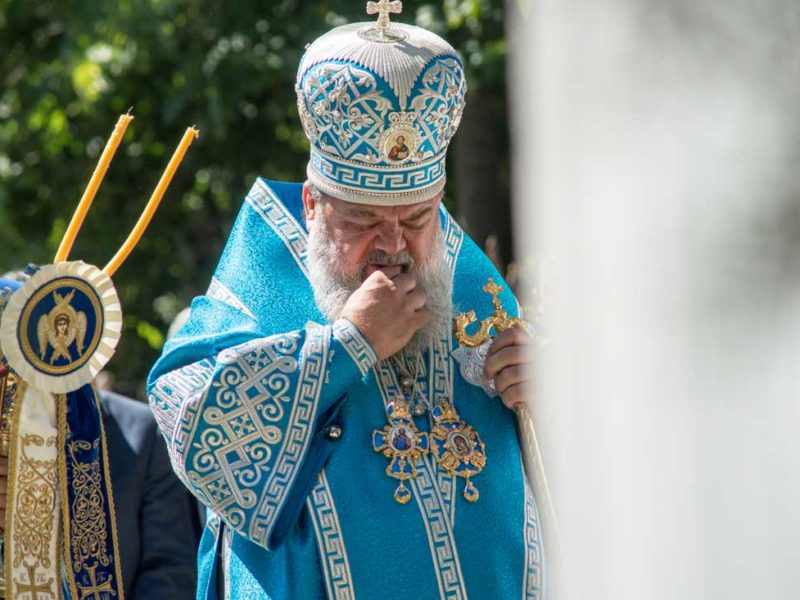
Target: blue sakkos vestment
(268,412)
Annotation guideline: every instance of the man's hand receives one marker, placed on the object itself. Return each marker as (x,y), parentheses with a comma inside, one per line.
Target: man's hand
(387,311)
(508,363)
(3,490)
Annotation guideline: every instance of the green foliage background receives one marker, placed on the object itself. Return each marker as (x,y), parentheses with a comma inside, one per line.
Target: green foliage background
(68,69)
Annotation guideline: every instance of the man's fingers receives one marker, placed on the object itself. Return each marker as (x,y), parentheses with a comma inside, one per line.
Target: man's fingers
(3,486)
(405,282)
(515,394)
(504,358)
(377,277)
(514,336)
(510,376)
(421,318)
(3,465)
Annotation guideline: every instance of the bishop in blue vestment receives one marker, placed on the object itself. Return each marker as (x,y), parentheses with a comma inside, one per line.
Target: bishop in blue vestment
(317,401)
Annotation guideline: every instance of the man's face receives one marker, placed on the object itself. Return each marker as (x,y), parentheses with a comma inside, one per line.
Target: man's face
(348,242)
(360,232)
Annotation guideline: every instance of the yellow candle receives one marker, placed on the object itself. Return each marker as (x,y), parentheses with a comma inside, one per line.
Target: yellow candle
(91,189)
(152,204)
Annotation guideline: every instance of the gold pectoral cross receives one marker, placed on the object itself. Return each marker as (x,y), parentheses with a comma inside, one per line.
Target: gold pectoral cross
(499,320)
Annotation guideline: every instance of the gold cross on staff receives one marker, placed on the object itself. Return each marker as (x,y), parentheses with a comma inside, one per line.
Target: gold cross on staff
(499,320)
(31,587)
(93,590)
(384,8)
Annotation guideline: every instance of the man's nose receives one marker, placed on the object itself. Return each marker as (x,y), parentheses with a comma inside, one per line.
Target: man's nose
(391,239)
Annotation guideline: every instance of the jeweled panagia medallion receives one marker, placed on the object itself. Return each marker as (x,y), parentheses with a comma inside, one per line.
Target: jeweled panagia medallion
(403,443)
(457,447)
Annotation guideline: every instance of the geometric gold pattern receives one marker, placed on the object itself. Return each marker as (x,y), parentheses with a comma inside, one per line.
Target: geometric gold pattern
(32,540)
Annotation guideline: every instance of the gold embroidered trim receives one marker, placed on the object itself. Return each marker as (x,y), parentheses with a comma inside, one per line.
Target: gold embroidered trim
(86,538)
(61,407)
(88,535)
(13,450)
(31,564)
(34,509)
(112,511)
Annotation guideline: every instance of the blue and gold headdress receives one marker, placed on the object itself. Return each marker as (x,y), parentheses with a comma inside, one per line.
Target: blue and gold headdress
(379,103)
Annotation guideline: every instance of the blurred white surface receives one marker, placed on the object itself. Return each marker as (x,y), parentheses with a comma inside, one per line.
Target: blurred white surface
(657,157)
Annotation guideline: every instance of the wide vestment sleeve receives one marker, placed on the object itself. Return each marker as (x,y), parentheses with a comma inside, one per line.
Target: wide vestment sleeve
(248,390)
(248,429)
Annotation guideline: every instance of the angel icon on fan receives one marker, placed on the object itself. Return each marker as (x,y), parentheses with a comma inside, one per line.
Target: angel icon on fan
(60,328)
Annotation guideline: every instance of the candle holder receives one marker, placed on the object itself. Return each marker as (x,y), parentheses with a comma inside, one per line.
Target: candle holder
(22,364)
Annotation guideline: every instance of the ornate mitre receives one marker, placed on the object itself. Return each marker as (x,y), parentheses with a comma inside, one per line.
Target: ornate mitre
(379,103)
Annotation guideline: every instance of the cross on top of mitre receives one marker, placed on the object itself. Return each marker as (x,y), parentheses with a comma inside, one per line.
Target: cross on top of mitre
(384,8)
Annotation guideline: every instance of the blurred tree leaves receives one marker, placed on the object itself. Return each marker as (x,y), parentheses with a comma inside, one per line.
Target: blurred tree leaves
(68,69)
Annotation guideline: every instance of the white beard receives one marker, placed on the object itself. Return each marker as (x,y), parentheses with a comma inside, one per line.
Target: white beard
(332,286)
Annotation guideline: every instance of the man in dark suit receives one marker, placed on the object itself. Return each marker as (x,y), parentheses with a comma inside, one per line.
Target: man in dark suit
(157,523)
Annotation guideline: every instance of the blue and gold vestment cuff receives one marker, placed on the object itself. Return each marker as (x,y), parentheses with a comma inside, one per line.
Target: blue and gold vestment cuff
(347,335)
(244,428)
